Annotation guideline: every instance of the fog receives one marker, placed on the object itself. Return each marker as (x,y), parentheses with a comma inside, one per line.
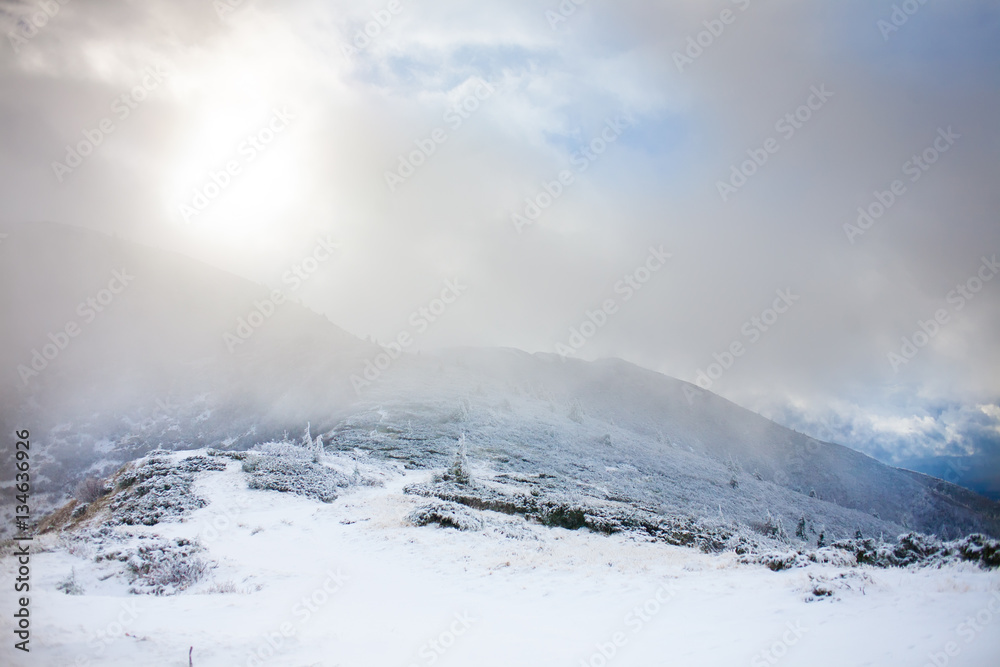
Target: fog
(668,183)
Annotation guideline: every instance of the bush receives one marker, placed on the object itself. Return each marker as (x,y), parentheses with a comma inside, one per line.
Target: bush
(781,561)
(91,489)
(290,469)
(562,512)
(447,515)
(979,548)
(771,527)
(159,567)
(69,585)
(172,575)
(158,489)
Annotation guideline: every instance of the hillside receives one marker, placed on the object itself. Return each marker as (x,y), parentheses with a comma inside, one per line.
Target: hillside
(153,371)
(196,554)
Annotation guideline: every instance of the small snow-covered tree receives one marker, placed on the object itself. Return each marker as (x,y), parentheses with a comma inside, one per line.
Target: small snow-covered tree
(315,447)
(318,449)
(459,471)
(774,527)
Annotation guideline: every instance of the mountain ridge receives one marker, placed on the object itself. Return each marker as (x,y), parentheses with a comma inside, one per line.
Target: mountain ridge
(154,371)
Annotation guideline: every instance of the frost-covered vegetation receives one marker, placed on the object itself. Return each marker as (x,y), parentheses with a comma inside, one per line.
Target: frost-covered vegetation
(92,489)
(69,585)
(543,499)
(300,468)
(477,483)
(558,511)
(157,488)
(911,549)
(448,515)
(291,470)
(471,490)
(156,566)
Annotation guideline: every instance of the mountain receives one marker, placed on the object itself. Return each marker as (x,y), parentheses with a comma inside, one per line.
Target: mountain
(153,369)
(150,366)
(979,472)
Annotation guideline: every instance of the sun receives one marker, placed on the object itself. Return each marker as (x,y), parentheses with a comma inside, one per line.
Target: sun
(239,171)
(234,166)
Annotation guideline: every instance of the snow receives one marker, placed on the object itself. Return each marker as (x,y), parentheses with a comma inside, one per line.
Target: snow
(352,582)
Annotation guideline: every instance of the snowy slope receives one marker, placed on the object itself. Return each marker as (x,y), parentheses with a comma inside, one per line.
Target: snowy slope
(353,583)
(612,429)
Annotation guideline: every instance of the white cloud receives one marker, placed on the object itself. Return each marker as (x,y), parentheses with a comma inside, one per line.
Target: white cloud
(555,88)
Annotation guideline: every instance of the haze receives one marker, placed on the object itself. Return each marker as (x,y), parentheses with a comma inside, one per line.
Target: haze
(622,134)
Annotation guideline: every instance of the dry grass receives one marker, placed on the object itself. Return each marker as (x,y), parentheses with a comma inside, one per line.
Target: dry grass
(231,588)
(89,490)
(63,517)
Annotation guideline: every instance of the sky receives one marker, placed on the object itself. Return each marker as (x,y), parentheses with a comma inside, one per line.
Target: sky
(787,190)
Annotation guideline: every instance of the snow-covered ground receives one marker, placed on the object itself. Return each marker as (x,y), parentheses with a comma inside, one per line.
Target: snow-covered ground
(301,583)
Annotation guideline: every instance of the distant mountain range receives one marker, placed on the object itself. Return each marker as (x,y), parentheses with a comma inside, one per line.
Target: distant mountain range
(978,472)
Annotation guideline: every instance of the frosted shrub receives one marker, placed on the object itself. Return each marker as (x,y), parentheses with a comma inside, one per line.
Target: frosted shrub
(69,585)
(90,489)
(290,468)
(447,515)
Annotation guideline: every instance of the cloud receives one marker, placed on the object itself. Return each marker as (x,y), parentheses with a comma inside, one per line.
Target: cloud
(825,362)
